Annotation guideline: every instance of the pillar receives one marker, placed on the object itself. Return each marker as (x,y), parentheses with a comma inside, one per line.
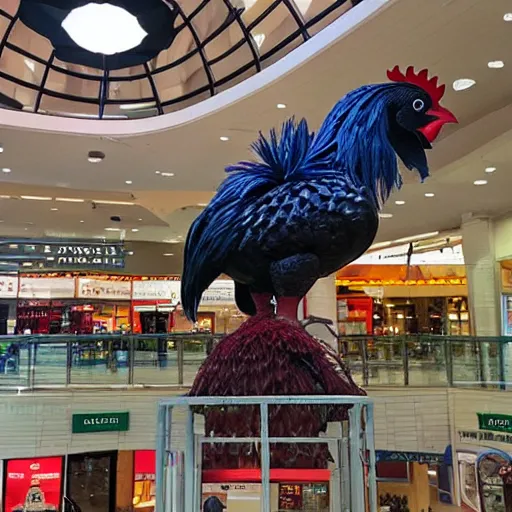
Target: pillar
(478,245)
(321,302)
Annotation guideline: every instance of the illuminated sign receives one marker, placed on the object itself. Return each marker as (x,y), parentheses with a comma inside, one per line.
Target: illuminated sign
(100,422)
(495,422)
(61,254)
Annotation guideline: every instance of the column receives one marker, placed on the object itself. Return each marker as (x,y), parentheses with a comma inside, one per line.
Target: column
(482,274)
(321,302)
(478,245)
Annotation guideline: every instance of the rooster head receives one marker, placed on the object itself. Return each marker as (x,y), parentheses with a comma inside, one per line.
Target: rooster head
(416,116)
(421,110)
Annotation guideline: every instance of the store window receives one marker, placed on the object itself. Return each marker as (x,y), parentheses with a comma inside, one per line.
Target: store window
(33,485)
(144,489)
(91,481)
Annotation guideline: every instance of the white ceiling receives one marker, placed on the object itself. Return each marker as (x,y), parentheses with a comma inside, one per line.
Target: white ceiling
(453,38)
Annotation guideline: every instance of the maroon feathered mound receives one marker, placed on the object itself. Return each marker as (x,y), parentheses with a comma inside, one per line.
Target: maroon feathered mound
(270,356)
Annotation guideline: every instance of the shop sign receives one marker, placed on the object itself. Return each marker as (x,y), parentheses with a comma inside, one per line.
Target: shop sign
(494,422)
(103,289)
(157,290)
(8,287)
(476,437)
(85,255)
(219,293)
(33,484)
(421,458)
(46,288)
(100,422)
(59,254)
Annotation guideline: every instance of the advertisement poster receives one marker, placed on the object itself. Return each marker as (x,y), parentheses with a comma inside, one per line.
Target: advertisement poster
(104,289)
(33,484)
(157,290)
(47,288)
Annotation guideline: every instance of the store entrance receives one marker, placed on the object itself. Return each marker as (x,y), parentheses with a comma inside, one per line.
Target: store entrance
(91,481)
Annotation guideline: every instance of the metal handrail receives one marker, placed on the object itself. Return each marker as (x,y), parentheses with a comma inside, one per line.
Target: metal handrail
(172,360)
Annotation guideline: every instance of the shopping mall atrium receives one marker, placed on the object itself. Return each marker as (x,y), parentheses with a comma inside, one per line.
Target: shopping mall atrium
(130,344)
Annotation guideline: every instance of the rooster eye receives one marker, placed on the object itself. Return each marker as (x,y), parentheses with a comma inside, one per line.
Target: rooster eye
(418,105)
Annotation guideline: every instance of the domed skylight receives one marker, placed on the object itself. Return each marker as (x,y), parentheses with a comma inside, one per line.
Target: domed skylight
(104,28)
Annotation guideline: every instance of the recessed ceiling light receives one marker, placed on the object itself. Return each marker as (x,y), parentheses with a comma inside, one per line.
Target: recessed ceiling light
(130,253)
(103,28)
(112,229)
(507,17)
(480,182)
(168,254)
(495,64)
(490,170)
(37,198)
(6,170)
(1,149)
(140,220)
(157,172)
(281,105)
(5,197)
(128,182)
(224,139)
(385,215)
(82,221)
(399,202)
(463,83)
(202,205)
(167,174)
(134,230)
(54,209)
(429,194)
(95,157)
(69,200)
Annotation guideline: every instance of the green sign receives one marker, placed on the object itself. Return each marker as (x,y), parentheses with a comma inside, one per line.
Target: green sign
(100,422)
(495,422)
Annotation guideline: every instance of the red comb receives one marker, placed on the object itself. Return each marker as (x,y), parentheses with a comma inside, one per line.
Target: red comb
(420,79)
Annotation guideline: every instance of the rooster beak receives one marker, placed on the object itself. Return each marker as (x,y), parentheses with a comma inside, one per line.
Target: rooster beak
(441,117)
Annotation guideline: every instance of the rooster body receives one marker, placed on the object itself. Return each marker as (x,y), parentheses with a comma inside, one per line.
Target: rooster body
(319,219)
(308,206)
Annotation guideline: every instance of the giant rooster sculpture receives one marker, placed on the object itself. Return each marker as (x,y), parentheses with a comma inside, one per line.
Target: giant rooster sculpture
(306,208)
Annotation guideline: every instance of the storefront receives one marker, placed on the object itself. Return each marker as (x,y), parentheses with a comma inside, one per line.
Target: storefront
(414,481)
(396,299)
(60,305)
(241,491)
(484,459)
(154,302)
(217,313)
(74,303)
(8,295)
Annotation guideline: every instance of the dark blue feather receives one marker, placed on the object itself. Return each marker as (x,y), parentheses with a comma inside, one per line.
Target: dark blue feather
(353,141)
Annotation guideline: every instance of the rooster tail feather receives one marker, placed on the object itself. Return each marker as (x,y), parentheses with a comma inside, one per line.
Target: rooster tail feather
(218,230)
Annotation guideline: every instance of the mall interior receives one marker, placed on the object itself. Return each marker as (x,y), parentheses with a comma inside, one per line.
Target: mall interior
(117,120)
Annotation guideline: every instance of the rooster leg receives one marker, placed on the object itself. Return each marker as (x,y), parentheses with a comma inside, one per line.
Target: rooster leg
(292,278)
(263,303)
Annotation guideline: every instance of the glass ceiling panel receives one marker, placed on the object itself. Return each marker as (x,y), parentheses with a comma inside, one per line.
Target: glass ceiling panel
(214,45)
